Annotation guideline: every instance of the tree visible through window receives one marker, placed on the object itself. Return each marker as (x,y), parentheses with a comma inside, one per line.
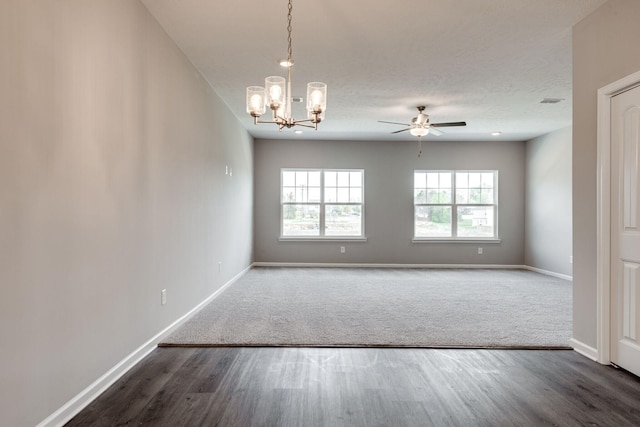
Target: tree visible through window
(317,203)
(455,204)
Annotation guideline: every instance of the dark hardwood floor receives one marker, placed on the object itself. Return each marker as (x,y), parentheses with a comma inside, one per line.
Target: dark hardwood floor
(367,387)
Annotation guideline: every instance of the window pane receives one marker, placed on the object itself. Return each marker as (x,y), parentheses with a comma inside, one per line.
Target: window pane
(355,195)
(301,178)
(343,220)
(343,195)
(301,193)
(288,179)
(330,179)
(487,180)
(288,194)
(462,180)
(419,180)
(343,179)
(475,221)
(487,196)
(433,221)
(474,195)
(314,179)
(314,195)
(330,195)
(474,180)
(300,220)
(419,196)
(355,179)
(462,195)
(445,180)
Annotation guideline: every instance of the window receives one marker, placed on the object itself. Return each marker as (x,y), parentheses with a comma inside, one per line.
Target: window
(322,203)
(455,204)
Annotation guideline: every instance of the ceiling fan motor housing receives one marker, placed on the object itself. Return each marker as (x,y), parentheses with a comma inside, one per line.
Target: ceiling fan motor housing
(421,119)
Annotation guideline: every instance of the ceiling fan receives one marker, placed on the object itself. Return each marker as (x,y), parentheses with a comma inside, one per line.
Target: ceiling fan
(420,125)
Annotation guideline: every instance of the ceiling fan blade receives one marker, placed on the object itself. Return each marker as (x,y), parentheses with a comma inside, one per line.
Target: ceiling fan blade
(441,125)
(394,123)
(436,132)
(402,130)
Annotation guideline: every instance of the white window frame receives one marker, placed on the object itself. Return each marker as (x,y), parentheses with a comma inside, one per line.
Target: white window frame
(322,204)
(454,208)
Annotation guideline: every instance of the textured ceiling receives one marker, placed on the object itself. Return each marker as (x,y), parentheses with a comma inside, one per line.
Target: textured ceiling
(486,62)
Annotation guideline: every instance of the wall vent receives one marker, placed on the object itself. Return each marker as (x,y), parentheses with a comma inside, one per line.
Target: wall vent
(551,100)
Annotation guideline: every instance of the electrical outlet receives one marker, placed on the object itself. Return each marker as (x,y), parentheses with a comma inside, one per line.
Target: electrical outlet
(343,249)
(480,251)
(163,297)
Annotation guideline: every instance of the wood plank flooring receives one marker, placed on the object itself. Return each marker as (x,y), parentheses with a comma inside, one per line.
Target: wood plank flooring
(367,387)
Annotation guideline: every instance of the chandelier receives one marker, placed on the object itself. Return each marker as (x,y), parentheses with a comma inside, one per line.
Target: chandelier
(276,94)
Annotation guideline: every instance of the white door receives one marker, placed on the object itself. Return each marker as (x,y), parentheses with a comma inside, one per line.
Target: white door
(625,230)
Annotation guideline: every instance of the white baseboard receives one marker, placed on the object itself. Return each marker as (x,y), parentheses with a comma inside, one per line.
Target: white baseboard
(70,409)
(375,265)
(584,349)
(382,265)
(549,273)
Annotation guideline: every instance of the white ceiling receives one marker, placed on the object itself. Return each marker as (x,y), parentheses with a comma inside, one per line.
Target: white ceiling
(486,62)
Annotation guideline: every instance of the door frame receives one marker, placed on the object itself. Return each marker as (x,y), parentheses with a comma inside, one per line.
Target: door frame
(603,201)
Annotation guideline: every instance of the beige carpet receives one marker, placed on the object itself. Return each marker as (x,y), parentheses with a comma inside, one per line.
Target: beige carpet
(479,308)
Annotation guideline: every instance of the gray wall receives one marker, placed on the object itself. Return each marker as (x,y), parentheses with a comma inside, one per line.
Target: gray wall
(389,170)
(112,187)
(548,230)
(605,49)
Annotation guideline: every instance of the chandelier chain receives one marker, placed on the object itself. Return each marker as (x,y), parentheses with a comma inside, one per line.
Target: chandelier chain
(289,59)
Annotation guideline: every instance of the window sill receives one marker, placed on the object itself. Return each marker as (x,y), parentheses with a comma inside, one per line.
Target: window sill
(322,239)
(454,240)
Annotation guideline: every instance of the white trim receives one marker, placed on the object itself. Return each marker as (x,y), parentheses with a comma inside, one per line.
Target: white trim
(375,265)
(583,349)
(345,239)
(322,205)
(549,273)
(454,240)
(70,409)
(603,224)
(425,266)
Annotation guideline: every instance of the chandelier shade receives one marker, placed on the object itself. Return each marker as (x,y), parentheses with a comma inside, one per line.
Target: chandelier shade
(275,91)
(255,101)
(316,97)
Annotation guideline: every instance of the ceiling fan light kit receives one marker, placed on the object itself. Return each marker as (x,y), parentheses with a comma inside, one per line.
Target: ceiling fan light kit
(276,94)
(419,131)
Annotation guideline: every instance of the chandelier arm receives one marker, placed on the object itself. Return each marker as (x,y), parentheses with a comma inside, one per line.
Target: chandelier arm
(305,125)
(278,121)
